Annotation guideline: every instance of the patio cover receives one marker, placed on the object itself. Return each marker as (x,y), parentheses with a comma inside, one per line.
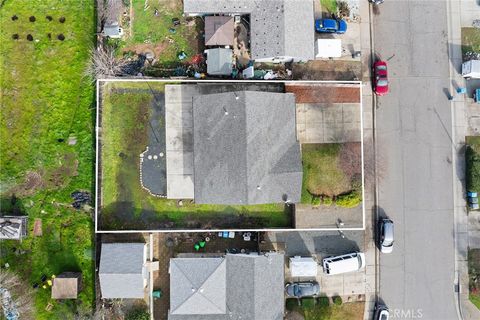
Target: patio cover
(218,31)
(303,267)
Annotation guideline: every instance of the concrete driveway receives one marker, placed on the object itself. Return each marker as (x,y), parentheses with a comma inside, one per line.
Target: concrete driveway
(321,244)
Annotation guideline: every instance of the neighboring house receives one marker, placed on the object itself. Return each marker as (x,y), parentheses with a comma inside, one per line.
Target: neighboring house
(244,149)
(219,61)
(67,285)
(280,30)
(13,227)
(112,30)
(236,286)
(122,270)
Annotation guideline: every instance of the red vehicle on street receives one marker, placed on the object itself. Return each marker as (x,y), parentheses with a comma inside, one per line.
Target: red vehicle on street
(380,78)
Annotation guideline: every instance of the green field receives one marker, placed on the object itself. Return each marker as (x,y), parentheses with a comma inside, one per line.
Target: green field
(46,101)
(126,205)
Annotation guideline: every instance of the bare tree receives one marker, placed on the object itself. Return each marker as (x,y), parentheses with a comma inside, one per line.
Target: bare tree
(104,64)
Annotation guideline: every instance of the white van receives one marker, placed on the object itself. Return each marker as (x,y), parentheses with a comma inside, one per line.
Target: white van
(345,263)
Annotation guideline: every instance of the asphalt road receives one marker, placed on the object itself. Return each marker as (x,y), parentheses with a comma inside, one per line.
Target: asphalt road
(414,147)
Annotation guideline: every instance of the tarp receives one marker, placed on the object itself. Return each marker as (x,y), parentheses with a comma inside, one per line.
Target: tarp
(329,48)
(303,267)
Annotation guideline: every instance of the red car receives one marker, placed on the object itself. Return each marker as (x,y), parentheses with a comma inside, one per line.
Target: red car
(380,78)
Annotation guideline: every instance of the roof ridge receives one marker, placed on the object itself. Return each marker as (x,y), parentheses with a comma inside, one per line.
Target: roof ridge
(196,289)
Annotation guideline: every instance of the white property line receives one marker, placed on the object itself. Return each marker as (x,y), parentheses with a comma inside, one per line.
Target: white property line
(97,128)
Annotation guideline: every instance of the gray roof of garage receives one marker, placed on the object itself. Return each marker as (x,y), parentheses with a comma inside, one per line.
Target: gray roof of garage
(277,27)
(245,148)
(121,270)
(234,287)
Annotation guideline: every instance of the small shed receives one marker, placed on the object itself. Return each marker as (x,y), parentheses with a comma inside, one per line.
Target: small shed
(219,31)
(219,61)
(67,285)
(112,30)
(329,48)
(303,267)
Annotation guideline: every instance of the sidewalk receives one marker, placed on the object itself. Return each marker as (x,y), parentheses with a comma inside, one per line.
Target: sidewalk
(460,13)
(368,147)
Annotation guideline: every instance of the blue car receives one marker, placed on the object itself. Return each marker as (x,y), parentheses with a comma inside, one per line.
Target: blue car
(330,26)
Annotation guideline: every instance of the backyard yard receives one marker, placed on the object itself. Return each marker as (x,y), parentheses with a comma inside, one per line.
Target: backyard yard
(158,28)
(47,151)
(127,110)
(332,174)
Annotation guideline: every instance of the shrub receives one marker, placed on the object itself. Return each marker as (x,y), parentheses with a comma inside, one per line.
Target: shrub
(472,159)
(349,200)
(327,201)
(308,303)
(316,200)
(138,314)
(323,302)
(337,300)
(291,304)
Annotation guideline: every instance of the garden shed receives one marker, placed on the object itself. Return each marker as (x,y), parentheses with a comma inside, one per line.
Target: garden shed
(67,285)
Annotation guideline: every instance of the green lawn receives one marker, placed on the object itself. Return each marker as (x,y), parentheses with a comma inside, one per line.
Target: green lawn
(323,310)
(474,276)
(470,40)
(126,205)
(322,174)
(329,5)
(326,176)
(46,100)
(152,32)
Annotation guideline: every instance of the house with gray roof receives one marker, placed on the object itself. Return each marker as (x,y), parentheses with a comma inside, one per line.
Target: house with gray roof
(232,147)
(122,271)
(280,30)
(245,149)
(236,286)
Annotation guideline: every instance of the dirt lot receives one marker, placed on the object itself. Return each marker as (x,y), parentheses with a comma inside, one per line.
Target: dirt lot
(327,70)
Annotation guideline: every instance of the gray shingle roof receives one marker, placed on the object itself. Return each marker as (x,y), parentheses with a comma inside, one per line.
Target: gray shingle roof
(121,270)
(245,148)
(277,27)
(252,286)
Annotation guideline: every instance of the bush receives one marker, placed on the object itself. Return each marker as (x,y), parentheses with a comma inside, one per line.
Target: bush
(349,200)
(327,201)
(138,314)
(472,159)
(316,201)
(323,302)
(308,303)
(291,304)
(337,301)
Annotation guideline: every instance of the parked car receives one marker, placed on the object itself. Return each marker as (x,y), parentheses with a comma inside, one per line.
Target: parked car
(385,232)
(302,289)
(345,263)
(380,78)
(381,312)
(330,26)
(376,1)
